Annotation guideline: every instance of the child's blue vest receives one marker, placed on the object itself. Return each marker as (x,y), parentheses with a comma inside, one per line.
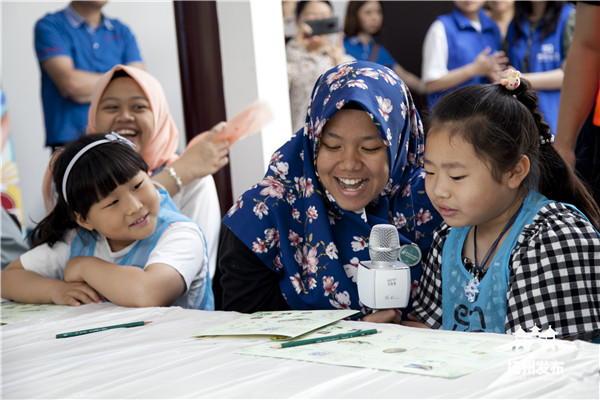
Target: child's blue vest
(488,312)
(541,56)
(465,43)
(84,244)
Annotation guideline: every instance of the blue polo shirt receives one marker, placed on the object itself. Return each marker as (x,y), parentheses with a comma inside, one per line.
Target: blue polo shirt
(66,33)
(360,51)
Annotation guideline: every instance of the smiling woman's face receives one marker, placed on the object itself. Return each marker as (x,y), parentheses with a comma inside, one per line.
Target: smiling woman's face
(124,109)
(352,161)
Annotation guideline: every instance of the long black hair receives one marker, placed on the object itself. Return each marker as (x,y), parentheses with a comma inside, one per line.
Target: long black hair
(502,126)
(548,22)
(93,177)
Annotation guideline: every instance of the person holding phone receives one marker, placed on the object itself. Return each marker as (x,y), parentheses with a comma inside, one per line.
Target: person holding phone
(310,53)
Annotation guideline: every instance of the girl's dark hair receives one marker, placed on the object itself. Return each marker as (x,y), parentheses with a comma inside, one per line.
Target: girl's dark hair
(548,22)
(302,4)
(352,23)
(93,177)
(502,126)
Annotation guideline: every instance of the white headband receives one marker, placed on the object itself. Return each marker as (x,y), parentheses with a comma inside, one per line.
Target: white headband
(109,138)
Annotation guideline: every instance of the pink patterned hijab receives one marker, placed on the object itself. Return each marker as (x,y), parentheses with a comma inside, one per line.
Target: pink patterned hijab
(162,147)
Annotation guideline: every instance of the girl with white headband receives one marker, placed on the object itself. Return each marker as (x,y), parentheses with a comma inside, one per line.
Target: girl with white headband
(111,236)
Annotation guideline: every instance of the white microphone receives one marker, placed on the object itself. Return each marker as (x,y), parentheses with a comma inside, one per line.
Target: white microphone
(384,281)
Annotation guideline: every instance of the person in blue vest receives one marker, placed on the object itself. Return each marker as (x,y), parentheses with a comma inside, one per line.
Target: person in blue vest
(74,47)
(364,20)
(519,245)
(111,236)
(461,48)
(537,44)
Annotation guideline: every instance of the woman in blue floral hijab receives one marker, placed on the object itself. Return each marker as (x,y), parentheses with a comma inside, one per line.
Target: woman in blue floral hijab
(295,239)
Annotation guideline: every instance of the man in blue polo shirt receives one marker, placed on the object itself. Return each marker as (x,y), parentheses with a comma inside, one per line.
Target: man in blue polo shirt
(75,46)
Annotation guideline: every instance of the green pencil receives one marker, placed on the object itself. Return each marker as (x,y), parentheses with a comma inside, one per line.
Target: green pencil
(104,328)
(325,338)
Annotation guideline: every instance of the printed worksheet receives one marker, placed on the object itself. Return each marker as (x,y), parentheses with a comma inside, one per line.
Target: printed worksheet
(396,348)
(286,324)
(12,312)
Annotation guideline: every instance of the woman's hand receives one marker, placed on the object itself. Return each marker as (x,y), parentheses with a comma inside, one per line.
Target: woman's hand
(384,316)
(203,156)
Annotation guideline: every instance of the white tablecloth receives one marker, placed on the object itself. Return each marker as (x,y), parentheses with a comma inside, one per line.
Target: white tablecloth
(164,360)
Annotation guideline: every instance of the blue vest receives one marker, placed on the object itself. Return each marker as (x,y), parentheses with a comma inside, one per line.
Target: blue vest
(84,244)
(488,312)
(545,55)
(356,49)
(465,43)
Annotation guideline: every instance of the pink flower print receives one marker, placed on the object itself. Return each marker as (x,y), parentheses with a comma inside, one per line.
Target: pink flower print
(319,125)
(273,187)
(281,169)
(272,235)
(334,76)
(359,83)
(342,300)
(297,283)
(368,72)
(259,246)
(312,283)
(276,157)
(307,258)
(294,238)
(331,251)
(309,188)
(389,79)
(388,136)
(295,213)
(411,158)
(300,184)
(358,243)
(385,107)
(340,104)
(329,285)
(404,110)
(260,209)
(352,268)
(312,214)
(290,198)
(277,263)
(326,99)
(239,203)
(406,190)
(335,86)
(423,217)
(399,220)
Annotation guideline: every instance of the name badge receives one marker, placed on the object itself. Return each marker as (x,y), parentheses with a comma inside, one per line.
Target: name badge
(410,255)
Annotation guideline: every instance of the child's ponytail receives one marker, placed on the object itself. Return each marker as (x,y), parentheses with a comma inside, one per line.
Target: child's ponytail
(557,180)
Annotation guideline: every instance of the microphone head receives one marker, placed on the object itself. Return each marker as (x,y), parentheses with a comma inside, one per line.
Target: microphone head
(384,243)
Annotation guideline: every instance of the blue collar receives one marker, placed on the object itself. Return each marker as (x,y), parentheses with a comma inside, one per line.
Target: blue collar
(77,20)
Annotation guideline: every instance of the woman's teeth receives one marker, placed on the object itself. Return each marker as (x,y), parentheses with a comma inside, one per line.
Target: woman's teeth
(351,184)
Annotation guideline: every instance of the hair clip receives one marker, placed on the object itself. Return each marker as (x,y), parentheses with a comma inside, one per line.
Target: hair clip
(546,140)
(510,79)
(115,137)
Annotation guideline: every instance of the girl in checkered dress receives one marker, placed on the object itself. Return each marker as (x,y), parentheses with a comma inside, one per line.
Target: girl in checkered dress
(519,245)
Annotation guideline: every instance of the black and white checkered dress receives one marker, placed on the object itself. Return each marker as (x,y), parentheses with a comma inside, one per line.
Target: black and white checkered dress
(554,276)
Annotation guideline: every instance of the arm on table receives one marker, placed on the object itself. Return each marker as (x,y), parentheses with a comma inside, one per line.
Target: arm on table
(19,284)
(129,286)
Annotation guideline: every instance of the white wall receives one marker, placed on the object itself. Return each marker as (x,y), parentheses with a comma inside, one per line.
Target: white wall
(153,24)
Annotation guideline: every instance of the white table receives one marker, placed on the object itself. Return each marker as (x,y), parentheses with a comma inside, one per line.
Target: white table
(163,360)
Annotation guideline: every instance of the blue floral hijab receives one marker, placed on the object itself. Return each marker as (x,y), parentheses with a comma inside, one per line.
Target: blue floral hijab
(295,226)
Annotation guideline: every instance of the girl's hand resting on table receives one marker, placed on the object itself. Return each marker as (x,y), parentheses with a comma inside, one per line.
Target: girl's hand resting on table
(74,294)
(385,316)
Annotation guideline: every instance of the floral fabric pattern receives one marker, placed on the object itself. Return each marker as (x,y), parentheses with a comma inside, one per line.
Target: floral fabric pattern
(295,226)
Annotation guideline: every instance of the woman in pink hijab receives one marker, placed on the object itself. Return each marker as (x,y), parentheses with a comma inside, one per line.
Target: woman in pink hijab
(132,103)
